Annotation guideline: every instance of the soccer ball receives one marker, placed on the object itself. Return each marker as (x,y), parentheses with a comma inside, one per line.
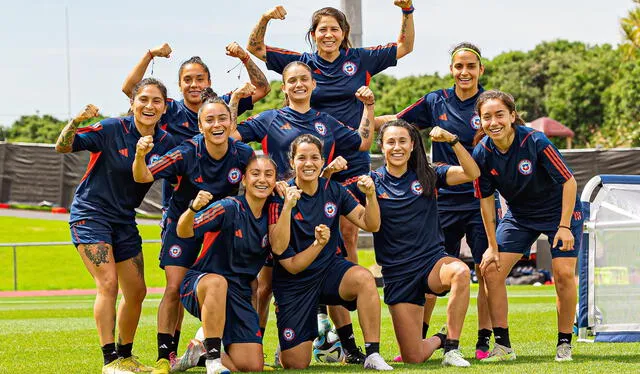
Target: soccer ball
(327,348)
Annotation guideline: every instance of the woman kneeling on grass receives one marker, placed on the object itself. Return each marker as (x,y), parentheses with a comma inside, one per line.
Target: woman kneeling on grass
(410,244)
(103,226)
(217,288)
(540,190)
(304,235)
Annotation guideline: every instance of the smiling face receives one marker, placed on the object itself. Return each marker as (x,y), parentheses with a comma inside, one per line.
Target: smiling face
(328,36)
(497,122)
(396,146)
(298,84)
(214,123)
(148,105)
(466,70)
(193,79)
(260,178)
(307,162)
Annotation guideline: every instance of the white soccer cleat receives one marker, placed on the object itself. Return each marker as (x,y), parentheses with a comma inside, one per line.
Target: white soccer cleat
(376,362)
(190,358)
(563,352)
(454,358)
(216,367)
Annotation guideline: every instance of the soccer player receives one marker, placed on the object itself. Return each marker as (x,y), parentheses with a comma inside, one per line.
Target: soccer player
(303,231)
(540,191)
(453,109)
(217,289)
(102,222)
(409,245)
(212,162)
(181,121)
(340,70)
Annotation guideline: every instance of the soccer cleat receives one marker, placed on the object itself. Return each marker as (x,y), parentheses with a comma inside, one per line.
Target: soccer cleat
(563,352)
(454,358)
(216,367)
(354,357)
(481,354)
(114,367)
(376,362)
(276,358)
(132,364)
(500,353)
(324,325)
(267,368)
(398,358)
(162,366)
(190,358)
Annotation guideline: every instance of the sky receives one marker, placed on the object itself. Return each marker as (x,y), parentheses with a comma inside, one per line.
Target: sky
(107,38)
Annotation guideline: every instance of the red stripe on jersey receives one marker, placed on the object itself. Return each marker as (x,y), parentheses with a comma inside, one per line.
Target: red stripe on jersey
(166,160)
(388,45)
(208,216)
(557,162)
(209,239)
(273,213)
(264,145)
(485,146)
(177,186)
(282,51)
(525,138)
(161,139)
(367,78)
(405,110)
(92,163)
(444,91)
(124,126)
(93,128)
(476,188)
(333,149)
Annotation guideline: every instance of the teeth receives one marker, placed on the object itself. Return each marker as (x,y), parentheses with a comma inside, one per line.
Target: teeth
(217,132)
(261,187)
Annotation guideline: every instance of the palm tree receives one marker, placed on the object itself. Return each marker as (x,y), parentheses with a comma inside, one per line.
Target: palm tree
(631,32)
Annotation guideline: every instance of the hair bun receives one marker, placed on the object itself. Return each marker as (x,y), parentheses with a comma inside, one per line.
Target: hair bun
(208,94)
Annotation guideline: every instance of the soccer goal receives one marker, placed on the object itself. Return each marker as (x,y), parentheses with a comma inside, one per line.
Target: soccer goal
(609,262)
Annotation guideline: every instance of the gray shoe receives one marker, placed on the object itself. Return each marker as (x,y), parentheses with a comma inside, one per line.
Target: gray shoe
(563,352)
(454,358)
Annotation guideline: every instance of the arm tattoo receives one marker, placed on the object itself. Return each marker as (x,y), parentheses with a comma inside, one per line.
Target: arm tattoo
(65,140)
(233,108)
(403,29)
(138,262)
(256,76)
(97,253)
(256,39)
(364,129)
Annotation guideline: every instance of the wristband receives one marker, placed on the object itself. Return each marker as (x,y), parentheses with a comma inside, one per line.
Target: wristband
(454,141)
(246,59)
(564,227)
(191,207)
(150,54)
(408,10)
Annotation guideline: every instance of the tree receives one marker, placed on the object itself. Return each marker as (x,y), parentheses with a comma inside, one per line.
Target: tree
(630,26)
(39,129)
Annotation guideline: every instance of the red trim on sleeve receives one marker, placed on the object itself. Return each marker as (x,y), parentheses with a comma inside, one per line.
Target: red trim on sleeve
(209,239)
(92,163)
(405,110)
(273,213)
(476,188)
(282,51)
(124,126)
(555,159)
(367,78)
(165,161)
(388,45)
(264,145)
(444,92)
(208,216)
(525,138)
(485,147)
(333,149)
(93,128)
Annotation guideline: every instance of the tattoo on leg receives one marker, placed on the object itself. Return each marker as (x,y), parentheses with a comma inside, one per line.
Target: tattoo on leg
(138,262)
(97,253)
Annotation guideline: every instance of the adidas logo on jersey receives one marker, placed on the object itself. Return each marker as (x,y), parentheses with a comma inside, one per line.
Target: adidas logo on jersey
(494,172)
(286,126)
(443,117)
(124,152)
(239,233)
(199,179)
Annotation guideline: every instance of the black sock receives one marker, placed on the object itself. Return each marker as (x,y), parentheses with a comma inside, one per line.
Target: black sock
(425,328)
(176,341)
(348,341)
(564,338)
(484,337)
(501,335)
(164,345)
(124,350)
(322,309)
(451,344)
(212,346)
(109,353)
(262,330)
(201,361)
(442,338)
(371,348)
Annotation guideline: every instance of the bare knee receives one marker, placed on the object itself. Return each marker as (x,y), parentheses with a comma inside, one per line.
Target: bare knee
(412,357)
(213,283)
(294,365)
(136,293)
(264,290)
(363,279)
(108,286)
(564,278)
(461,274)
(250,365)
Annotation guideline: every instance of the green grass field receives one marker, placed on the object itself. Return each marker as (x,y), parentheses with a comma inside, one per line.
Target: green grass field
(57,334)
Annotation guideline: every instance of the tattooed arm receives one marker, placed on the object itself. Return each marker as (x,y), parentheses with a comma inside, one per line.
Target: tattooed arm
(137,73)
(64,144)
(245,90)
(256,76)
(365,95)
(407,30)
(256,40)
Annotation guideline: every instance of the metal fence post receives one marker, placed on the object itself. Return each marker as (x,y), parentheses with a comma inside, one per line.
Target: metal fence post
(15,269)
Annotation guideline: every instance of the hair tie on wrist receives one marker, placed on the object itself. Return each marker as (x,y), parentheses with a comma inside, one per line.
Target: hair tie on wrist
(564,227)
(408,10)
(245,59)
(191,207)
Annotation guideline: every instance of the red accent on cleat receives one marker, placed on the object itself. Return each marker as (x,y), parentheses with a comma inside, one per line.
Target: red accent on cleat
(398,358)
(481,355)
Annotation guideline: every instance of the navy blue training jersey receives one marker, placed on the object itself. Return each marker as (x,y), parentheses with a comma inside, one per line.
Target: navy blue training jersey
(337,83)
(276,129)
(235,242)
(182,122)
(330,201)
(196,170)
(107,189)
(529,175)
(410,231)
(443,108)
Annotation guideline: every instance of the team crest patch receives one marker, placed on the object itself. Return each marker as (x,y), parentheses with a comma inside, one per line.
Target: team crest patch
(320,128)
(288,334)
(349,68)
(234,175)
(175,251)
(416,188)
(330,209)
(475,121)
(154,158)
(525,167)
(265,240)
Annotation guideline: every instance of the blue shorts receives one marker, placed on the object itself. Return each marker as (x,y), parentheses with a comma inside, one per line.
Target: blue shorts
(124,239)
(412,289)
(296,307)
(515,236)
(456,224)
(241,323)
(177,251)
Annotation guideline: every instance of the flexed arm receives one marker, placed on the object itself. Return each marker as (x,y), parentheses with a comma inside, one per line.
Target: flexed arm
(141,172)
(256,45)
(256,76)
(137,73)
(64,144)
(407,30)
(303,259)
(366,130)
(468,169)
